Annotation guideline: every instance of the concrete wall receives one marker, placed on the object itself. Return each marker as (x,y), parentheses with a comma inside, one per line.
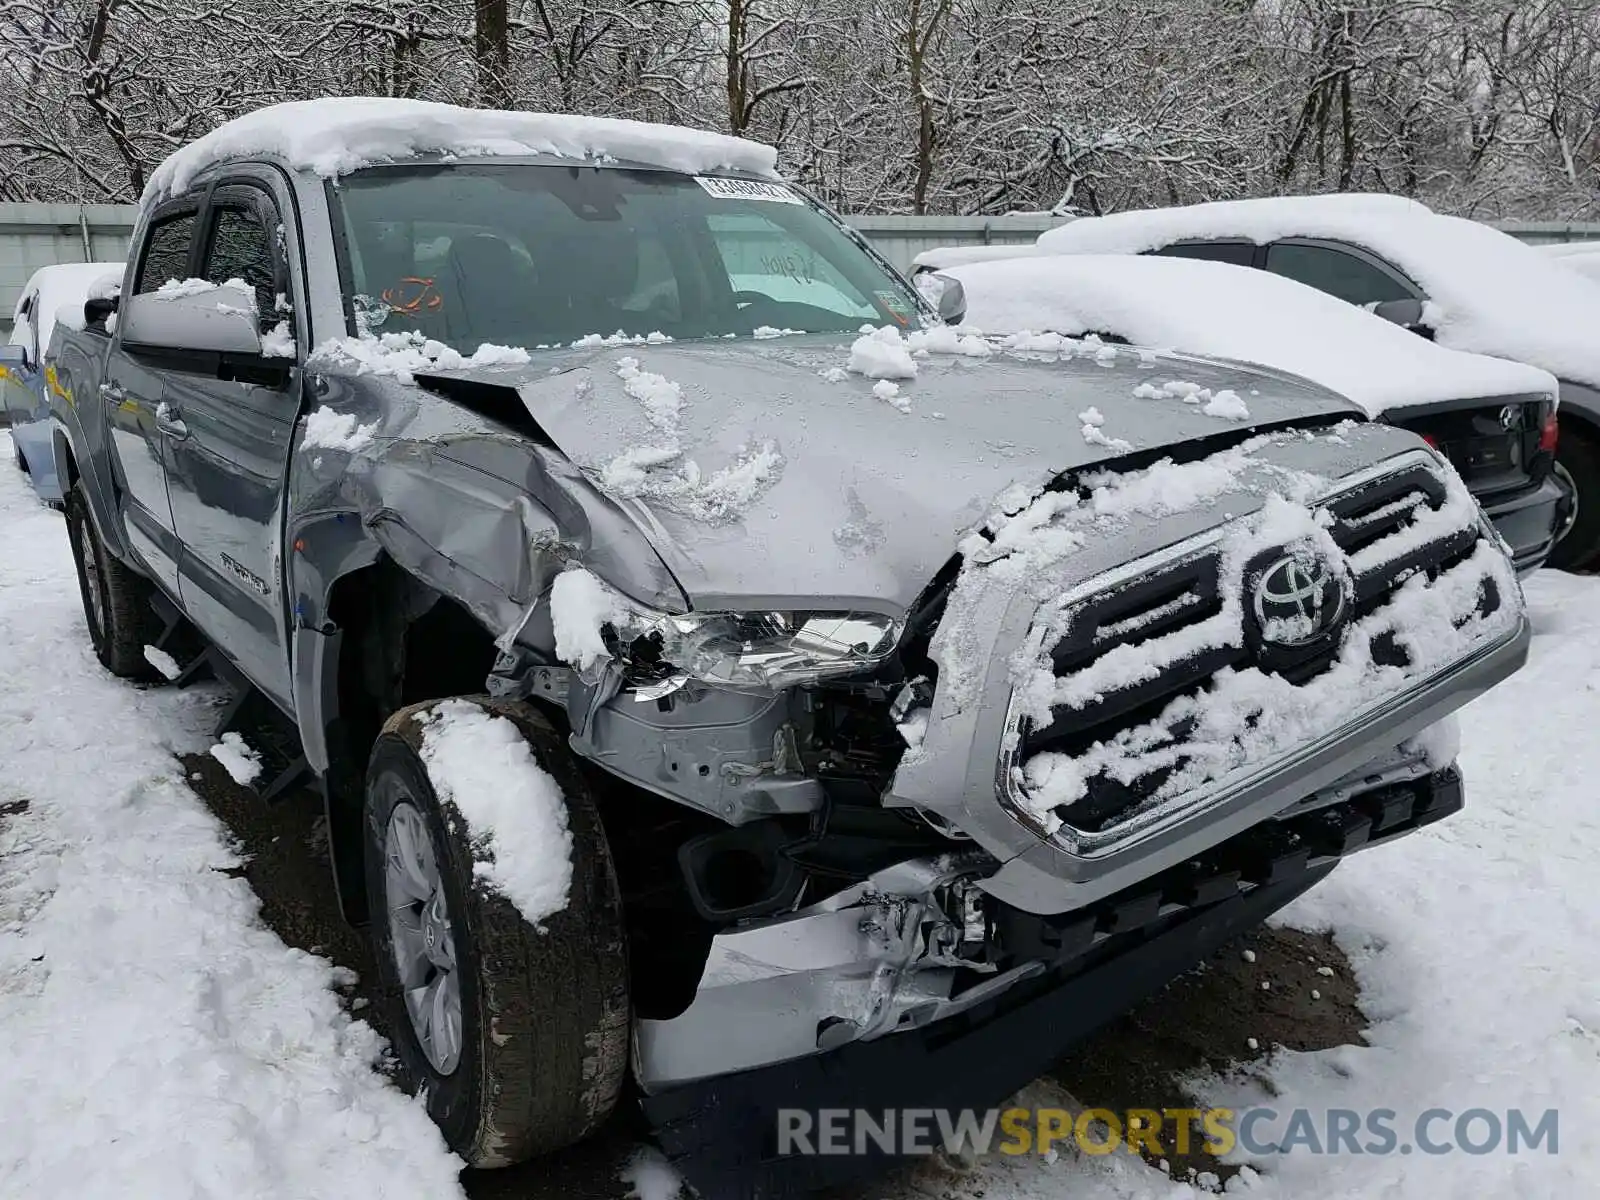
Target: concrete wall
(40,235)
(36,235)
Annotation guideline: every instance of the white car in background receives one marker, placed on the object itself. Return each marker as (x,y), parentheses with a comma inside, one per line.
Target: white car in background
(51,293)
(1223,311)
(1582,257)
(1460,283)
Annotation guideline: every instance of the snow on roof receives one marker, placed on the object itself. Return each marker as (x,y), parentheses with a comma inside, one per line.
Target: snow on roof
(337,135)
(56,287)
(1582,257)
(940,257)
(1488,292)
(1234,312)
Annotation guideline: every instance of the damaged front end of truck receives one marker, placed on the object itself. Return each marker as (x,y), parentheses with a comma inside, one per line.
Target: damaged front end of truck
(922,762)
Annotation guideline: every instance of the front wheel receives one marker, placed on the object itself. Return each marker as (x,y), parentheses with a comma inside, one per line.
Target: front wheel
(517,1037)
(116,598)
(1578,468)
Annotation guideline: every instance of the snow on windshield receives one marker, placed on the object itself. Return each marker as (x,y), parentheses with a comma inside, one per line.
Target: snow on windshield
(1488,292)
(1234,312)
(334,136)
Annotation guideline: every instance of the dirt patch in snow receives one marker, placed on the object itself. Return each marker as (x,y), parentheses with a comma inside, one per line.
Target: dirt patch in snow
(1204,1021)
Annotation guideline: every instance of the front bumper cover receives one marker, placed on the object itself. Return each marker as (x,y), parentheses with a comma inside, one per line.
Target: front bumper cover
(722,1131)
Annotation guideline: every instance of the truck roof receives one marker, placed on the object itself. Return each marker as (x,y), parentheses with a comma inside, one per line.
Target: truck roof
(334,136)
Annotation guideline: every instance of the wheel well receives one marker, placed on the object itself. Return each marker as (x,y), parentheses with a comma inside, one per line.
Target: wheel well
(400,642)
(1587,429)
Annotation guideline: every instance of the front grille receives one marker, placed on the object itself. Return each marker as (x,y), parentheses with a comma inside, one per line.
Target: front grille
(1138,663)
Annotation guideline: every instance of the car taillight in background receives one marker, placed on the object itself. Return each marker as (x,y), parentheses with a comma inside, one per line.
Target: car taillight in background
(1548,433)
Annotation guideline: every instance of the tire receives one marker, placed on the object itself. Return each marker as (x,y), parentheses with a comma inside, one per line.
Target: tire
(1578,456)
(544,1016)
(116,598)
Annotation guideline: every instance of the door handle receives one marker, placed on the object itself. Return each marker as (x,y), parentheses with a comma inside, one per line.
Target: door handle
(170,423)
(111,393)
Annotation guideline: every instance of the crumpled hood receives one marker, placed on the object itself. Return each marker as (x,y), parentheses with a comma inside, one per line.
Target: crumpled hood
(830,494)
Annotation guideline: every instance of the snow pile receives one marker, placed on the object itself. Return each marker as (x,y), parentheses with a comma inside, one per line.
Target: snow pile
(664,473)
(402,355)
(158,1040)
(888,391)
(1092,420)
(763,332)
(581,606)
(650,1176)
(1247,716)
(515,813)
(1225,311)
(181,289)
(162,662)
(1488,292)
(661,399)
(590,340)
(882,354)
(59,293)
(278,342)
(334,136)
(329,429)
(238,758)
(949,339)
(1226,404)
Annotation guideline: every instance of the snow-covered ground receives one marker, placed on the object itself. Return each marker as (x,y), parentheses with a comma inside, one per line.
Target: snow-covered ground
(156,1040)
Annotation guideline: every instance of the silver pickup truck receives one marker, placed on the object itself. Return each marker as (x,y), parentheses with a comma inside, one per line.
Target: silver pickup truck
(918,701)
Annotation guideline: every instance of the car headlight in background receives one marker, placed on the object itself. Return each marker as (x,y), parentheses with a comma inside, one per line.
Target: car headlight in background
(758,649)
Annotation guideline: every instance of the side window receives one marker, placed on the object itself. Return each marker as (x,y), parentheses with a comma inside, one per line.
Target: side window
(1240,254)
(240,247)
(166,252)
(1333,271)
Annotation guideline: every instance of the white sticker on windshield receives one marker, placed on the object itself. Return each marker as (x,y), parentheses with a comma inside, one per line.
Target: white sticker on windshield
(746,189)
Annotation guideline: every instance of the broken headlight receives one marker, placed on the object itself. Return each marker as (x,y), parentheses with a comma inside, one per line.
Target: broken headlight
(759,649)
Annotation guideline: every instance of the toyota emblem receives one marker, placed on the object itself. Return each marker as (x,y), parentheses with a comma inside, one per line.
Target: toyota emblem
(1299,598)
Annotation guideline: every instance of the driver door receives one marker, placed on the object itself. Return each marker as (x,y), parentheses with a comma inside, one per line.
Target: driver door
(230,448)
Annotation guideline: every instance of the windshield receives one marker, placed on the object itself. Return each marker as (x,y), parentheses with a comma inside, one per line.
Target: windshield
(527,255)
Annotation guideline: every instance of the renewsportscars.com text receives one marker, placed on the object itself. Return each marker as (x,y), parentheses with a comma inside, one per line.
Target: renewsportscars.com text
(1257,1131)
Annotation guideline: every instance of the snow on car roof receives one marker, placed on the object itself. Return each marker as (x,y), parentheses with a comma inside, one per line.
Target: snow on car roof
(337,135)
(1234,312)
(1487,292)
(56,287)
(1582,257)
(940,257)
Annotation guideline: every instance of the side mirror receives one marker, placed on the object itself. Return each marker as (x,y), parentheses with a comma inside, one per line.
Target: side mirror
(945,293)
(205,319)
(95,312)
(1406,313)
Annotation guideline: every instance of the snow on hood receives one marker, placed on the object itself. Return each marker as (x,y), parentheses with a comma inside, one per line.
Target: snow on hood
(773,474)
(62,286)
(337,135)
(1235,312)
(1489,293)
